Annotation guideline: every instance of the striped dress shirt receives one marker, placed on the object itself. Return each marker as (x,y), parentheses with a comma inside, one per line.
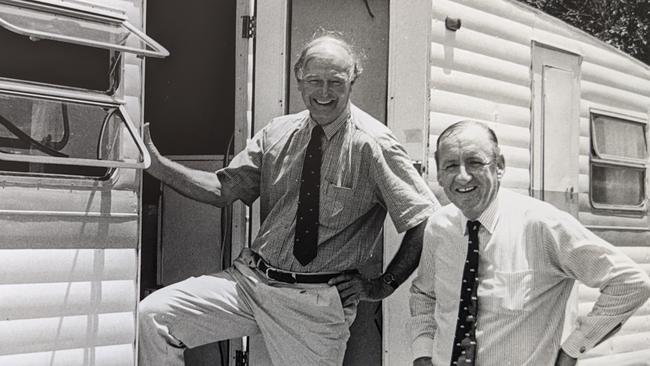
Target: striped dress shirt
(365,173)
(530,256)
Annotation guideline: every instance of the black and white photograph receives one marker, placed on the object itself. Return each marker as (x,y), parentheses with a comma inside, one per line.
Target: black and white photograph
(324,183)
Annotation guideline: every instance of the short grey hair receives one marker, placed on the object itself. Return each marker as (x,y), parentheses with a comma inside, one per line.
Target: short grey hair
(321,37)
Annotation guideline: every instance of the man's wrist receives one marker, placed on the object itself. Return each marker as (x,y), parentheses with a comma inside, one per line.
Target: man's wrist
(379,289)
(389,279)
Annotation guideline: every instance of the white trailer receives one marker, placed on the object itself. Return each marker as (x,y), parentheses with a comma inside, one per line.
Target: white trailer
(570,111)
(71,88)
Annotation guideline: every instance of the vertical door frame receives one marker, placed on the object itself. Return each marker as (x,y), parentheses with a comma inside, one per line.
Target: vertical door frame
(408,117)
(244,66)
(271,81)
(545,55)
(244,87)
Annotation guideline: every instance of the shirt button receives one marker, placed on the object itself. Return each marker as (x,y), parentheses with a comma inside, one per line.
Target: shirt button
(583,349)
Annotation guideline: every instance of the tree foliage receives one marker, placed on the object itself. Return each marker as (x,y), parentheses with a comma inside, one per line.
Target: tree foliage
(624,24)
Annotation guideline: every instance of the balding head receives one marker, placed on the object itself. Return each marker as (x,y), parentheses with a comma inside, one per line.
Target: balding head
(457,127)
(325,47)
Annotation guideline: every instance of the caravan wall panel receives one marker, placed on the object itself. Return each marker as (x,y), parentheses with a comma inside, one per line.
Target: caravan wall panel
(69,255)
(483,72)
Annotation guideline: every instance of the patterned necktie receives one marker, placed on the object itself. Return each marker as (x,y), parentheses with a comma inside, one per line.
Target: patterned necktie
(305,244)
(464,352)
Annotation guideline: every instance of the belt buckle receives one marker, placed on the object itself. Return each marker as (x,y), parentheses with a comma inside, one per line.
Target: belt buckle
(259,263)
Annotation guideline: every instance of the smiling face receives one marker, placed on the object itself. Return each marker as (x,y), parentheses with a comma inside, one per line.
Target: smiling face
(469,170)
(324,81)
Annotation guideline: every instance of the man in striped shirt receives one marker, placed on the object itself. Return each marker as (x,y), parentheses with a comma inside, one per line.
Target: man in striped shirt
(325,178)
(497,269)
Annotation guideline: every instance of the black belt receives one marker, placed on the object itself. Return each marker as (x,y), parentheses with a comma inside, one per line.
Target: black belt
(291,277)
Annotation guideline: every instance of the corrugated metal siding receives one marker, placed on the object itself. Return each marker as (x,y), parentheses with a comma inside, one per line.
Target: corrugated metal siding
(482,72)
(69,257)
(68,282)
(471,78)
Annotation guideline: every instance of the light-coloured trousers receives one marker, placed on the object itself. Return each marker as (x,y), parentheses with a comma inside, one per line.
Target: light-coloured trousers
(301,324)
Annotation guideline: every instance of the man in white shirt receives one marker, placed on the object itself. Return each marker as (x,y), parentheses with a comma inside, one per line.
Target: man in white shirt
(497,269)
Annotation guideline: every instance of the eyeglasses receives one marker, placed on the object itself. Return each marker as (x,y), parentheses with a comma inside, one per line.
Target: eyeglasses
(472,166)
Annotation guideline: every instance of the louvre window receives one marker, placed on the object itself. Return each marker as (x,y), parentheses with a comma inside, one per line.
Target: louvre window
(71,22)
(61,110)
(619,155)
(42,135)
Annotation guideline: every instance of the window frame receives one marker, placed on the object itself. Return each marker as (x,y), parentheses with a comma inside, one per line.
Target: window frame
(112,98)
(607,160)
(90,14)
(108,102)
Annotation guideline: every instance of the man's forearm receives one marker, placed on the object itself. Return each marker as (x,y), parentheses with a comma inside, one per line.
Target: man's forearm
(192,183)
(408,255)
(400,268)
(355,286)
(196,184)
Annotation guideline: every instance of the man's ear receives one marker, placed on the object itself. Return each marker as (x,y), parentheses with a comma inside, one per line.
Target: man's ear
(435,160)
(501,166)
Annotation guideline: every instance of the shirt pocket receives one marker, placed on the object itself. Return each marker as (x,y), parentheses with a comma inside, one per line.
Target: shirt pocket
(516,288)
(334,201)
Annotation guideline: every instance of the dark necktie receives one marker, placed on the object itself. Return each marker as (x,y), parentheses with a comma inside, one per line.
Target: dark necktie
(305,245)
(464,351)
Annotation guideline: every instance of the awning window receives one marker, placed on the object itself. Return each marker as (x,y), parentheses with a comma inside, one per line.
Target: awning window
(36,129)
(71,22)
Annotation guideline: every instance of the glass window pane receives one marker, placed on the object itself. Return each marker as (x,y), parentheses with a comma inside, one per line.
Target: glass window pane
(70,26)
(617,137)
(55,63)
(64,130)
(41,21)
(617,185)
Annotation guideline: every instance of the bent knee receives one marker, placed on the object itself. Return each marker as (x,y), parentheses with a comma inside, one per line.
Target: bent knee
(154,306)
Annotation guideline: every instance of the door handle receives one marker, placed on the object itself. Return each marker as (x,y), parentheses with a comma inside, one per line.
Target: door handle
(570,191)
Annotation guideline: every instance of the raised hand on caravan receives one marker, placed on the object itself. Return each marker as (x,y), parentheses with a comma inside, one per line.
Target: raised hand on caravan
(195,184)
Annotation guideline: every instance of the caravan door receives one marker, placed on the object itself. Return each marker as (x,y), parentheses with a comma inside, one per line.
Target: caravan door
(556,137)
(556,126)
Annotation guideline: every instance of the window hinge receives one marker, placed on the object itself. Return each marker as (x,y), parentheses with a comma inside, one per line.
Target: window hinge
(241,358)
(247,26)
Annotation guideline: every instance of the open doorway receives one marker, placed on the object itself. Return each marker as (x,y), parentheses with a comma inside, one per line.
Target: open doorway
(190,103)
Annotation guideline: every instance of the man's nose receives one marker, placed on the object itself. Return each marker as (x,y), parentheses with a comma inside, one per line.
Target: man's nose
(324,88)
(463,175)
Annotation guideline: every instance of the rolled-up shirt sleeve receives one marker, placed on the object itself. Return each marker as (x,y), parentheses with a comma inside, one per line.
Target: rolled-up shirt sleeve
(422,301)
(241,178)
(624,286)
(402,191)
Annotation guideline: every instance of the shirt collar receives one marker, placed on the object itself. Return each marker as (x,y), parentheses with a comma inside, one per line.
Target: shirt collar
(330,129)
(487,218)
